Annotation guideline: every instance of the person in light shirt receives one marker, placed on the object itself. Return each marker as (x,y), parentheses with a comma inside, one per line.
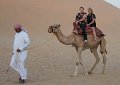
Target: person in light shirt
(20,46)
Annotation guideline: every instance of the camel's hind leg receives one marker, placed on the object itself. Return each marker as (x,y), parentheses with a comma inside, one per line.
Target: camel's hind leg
(103,52)
(104,62)
(94,51)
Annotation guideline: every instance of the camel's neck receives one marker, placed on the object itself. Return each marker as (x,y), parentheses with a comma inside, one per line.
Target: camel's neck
(63,39)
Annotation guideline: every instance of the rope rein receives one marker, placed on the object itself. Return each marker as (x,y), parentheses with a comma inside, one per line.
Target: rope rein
(41,44)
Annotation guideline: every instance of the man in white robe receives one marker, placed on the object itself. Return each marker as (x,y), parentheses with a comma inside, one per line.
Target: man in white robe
(20,46)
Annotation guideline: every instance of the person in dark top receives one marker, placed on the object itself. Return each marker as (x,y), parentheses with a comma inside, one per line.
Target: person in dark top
(81,21)
(91,21)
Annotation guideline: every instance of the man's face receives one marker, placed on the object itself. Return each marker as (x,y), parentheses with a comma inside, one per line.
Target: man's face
(81,10)
(18,30)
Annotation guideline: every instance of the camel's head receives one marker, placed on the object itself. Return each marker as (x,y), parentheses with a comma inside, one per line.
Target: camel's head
(54,28)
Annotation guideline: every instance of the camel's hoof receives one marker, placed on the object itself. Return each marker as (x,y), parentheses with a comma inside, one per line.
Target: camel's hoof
(103,72)
(73,76)
(86,73)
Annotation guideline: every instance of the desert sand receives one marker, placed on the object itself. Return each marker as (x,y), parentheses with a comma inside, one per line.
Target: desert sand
(53,63)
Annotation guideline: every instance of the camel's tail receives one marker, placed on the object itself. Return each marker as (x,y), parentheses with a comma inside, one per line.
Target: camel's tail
(103,46)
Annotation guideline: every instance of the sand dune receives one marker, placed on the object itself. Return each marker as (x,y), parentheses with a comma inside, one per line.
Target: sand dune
(54,65)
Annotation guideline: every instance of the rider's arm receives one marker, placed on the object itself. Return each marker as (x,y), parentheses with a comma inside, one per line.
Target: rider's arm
(84,17)
(93,20)
(76,19)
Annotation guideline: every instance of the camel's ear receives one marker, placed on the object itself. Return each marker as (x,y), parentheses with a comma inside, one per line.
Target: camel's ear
(59,25)
(50,26)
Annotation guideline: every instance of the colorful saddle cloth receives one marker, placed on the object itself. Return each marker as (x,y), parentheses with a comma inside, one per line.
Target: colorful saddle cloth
(78,30)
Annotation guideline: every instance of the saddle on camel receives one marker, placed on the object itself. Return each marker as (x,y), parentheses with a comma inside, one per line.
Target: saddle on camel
(78,30)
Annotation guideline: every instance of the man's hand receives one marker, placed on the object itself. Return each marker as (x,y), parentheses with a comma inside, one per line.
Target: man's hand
(18,50)
(77,22)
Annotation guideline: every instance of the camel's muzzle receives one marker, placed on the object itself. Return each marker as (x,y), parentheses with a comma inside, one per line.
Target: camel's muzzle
(50,29)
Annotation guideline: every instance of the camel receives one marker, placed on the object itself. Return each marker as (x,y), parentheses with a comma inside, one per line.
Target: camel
(77,41)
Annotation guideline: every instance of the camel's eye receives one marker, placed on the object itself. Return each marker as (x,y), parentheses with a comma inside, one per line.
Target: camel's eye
(55,27)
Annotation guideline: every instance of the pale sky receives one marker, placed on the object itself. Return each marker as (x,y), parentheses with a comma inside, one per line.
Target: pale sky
(115,3)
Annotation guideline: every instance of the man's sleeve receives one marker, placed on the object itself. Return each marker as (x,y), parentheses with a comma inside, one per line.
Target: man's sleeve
(77,18)
(27,42)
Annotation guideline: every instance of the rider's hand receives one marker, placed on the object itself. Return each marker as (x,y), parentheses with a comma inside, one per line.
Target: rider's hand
(77,22)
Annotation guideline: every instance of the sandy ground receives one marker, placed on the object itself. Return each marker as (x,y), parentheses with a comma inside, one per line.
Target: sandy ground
(53,63)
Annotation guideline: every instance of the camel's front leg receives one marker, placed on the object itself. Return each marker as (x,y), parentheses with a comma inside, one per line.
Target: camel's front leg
(79,62)
(76,70)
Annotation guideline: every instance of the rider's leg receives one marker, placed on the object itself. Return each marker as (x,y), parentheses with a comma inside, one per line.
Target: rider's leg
(94,33)
(83,27)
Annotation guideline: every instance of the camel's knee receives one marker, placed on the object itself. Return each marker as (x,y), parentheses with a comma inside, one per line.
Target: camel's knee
(77,63)
(101,52)
(104,59)
(94,50)
(81,63)
(97,60)
(91,51)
